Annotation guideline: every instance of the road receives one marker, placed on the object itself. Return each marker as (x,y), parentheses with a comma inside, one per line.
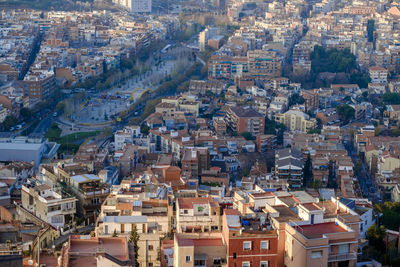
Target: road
(367,185)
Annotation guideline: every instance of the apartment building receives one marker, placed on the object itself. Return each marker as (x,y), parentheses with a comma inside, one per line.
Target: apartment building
(378,74)
(96,251)
(332,244)
(289,166)
(195,160)
(311,100)
(242,120)
(125,136)
(264,64)
(136,6)
(187,104)
(199,249)
(48,205)
(248,241)
(296,120)
(122,213)
(39,86)
(90,192)
(201,87)
(219,125)
(266,143)
(197,214)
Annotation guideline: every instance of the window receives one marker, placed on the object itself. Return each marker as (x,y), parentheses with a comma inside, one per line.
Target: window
(246,245)
(246,264)
(150,264)
(150,247)
(316,254)
(217,261)
(234,255)
(185,211)
(187,258)
(265,244)
(264,264)
(199,263)
(344,248)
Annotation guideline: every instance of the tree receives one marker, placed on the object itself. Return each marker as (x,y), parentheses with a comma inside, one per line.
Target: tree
(144,129)
(296,99)
(332,60)
(361,79)
(345,112)
(391,98)
(26,113)
(60,106)
(376,235)
(390,214)
(9,122)
(247,135)
(115,233)
(278,129)
(134,238)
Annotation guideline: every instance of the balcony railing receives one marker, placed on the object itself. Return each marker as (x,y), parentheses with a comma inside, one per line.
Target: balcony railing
(342,257)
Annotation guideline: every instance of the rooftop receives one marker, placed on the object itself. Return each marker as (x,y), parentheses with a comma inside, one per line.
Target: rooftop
(312,231)
(84,178)
(245,112)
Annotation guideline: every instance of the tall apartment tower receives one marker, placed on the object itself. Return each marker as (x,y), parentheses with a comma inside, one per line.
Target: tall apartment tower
(136,6)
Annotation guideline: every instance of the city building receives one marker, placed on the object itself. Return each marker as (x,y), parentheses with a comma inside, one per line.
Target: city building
(96,251)
(296,120)
(241,120)
(248,241)
(289,166)
(197,215)
(49,205)
(28,149)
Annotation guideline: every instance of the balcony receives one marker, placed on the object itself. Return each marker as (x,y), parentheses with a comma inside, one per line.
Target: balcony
(342,257)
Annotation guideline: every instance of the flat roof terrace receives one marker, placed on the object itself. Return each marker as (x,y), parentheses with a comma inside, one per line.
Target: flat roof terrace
(312,231)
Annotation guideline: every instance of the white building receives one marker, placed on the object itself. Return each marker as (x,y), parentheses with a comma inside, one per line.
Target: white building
(136,6)
(125,136)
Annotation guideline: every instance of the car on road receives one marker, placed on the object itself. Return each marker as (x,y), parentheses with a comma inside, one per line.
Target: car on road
(12,129)
(19,126)
(55,114)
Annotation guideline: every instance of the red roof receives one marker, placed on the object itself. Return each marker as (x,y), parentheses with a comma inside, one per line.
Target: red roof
(318,230)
